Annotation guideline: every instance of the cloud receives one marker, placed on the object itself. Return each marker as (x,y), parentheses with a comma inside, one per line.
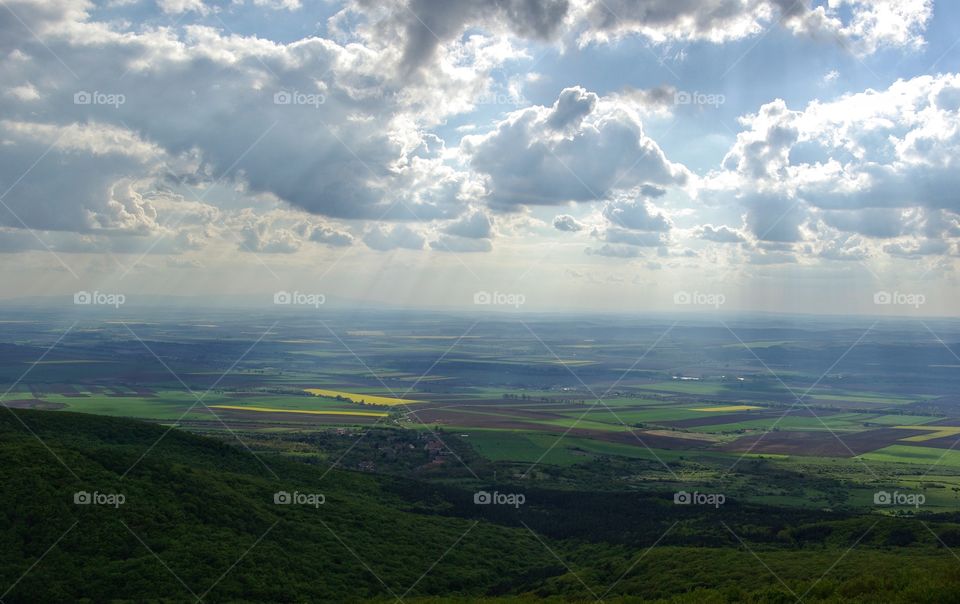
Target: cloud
(424,26)
(452,243)
(331,236)
(476,225)
(571,108)
(397,237)
(628,237)
(917,248)
(615,251)
(635,214)
(566,222)
(878,163)
(319,126)
(863,26)
(720,234)
(601,148)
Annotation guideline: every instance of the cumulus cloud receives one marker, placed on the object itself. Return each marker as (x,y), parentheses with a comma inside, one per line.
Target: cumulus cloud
(312,123)
(583,148)
(628,237)
(862,25)
(566,222)
(635,214)
(720,234)
(476,225)
(453,243)
(878,163)
(423,26)
(331,236)
(615,251)
(397,237)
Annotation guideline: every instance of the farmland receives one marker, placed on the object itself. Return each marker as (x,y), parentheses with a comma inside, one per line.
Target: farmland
(614,418)
(544,399)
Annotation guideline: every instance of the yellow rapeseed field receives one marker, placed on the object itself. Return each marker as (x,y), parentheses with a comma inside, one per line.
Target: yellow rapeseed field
(370,399)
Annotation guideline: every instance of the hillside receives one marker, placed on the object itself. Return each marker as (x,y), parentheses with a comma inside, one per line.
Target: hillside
(199,520)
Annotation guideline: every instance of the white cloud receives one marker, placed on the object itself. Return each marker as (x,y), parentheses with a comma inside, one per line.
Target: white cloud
(864,26)
(581,149)
(879,163)
(566,222)
(397,237)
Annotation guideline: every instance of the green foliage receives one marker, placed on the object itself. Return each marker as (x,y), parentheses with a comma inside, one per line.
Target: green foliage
(200,520)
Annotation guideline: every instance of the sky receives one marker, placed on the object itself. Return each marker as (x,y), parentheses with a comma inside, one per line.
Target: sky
(509,155)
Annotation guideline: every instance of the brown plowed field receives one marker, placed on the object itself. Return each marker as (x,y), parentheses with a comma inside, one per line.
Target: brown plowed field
(820,443)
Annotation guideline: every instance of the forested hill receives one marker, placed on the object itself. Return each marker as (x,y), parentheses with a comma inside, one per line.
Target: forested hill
(199,506)
(196,518)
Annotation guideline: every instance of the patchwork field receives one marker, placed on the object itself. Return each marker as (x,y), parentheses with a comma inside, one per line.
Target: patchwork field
(698,405)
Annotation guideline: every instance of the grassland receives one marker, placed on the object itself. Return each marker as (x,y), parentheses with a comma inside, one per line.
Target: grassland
(301,411)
